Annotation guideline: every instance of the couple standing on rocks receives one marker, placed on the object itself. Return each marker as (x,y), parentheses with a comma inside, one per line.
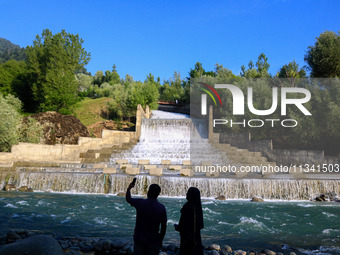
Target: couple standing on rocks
(151,214)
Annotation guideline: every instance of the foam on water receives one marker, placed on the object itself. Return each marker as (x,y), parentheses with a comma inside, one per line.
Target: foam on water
(10,206)
(23,202)
(329,214)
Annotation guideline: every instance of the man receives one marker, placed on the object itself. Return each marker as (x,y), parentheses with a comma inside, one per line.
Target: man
(150,215)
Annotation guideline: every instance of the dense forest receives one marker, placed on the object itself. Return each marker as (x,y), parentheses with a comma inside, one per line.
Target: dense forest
(10,51)
(51,75)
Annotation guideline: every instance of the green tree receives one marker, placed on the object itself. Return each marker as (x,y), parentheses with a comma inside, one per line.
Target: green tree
(172,89)
(291,70)
(112,77)
(52,62)
(323,57)
(199,71)
(222,72)
(84,81)
(98,78)
(261,71)
(10,72)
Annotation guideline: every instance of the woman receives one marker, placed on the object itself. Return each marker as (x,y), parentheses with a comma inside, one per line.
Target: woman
(190,224)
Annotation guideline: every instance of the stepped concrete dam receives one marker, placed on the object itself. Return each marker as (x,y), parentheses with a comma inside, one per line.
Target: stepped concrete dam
(175,152)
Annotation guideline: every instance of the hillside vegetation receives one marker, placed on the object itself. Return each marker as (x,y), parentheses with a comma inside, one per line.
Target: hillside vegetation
(90,111)
(9,50)
(94,114)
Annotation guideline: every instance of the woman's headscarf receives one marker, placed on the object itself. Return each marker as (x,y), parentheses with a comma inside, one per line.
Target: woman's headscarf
(194,198)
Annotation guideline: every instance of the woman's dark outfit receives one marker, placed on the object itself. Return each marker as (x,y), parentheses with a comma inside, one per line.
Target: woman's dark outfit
(190,224)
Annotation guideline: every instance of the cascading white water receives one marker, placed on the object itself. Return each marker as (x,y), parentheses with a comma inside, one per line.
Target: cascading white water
(172,139)
(177,140)
(284,189)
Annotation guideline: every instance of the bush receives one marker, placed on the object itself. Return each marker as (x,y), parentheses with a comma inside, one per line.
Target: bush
(13,128)
(30,131)
(10,119)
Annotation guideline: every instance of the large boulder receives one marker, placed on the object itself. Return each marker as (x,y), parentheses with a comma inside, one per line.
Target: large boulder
(35,245)
(25,189)
(221,197)
(10,187)
(60,129)
(257,199)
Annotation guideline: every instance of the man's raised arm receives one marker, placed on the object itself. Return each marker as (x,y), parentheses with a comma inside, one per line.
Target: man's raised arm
(128,193)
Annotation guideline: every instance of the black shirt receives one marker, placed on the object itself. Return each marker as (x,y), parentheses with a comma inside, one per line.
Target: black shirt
(150,214)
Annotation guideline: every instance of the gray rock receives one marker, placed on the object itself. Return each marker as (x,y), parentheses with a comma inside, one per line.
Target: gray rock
(240,252)
(35,245)
(74,248)
(227,249)
(214,247)
(64,244)
(257,199)
(73,252)
(98,246)
(22,233)
(319,199)
(106,244)
(121,194)
(214,252)
(269,252)
(279,253)
(118,243)
(23,188)
(220,197)
(292,253)
(12,235)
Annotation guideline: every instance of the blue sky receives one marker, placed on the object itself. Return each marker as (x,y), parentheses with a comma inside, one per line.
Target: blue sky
(161,37)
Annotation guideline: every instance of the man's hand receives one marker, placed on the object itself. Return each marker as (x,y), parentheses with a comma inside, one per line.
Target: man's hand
(132,185)
(128,193)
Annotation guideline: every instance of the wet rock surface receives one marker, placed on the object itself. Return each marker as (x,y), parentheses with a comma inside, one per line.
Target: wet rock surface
(35,243)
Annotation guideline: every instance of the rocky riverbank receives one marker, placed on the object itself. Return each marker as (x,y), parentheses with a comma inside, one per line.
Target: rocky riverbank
(34,243)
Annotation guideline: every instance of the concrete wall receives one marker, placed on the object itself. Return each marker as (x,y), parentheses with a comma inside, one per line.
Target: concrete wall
(139,116)
(70,153)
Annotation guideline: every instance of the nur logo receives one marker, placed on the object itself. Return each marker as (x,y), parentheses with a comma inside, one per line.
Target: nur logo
(238,99)
(204,98)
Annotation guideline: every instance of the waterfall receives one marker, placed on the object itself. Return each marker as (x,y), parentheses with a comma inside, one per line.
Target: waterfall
(282,189)
(172,139)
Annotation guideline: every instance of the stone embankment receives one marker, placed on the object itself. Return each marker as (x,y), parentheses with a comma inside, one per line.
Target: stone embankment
(40,244)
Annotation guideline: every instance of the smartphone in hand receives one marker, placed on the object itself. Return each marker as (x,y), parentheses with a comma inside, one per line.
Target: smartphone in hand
(134,181)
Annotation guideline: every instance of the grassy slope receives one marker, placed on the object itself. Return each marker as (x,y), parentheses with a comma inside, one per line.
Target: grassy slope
(88,111)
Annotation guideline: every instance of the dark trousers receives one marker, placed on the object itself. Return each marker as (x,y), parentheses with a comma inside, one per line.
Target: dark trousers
(144,249)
